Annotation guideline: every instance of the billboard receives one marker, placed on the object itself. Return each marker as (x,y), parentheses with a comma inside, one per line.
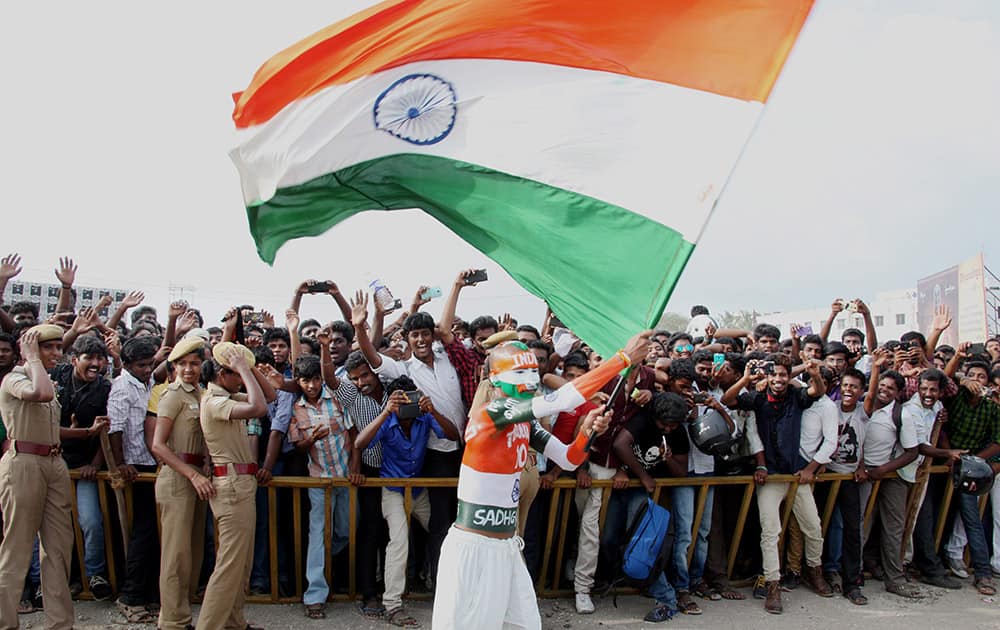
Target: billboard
(962,289)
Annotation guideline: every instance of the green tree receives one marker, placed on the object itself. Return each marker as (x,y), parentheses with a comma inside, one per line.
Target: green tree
(744,320)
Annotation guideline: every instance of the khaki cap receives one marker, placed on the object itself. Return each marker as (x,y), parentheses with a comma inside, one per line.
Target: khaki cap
(185,347)
(221,349)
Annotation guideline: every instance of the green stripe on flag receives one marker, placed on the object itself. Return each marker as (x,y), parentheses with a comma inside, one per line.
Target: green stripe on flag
(605,271)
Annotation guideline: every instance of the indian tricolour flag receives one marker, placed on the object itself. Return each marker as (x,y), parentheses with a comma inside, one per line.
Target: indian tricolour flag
(581,144)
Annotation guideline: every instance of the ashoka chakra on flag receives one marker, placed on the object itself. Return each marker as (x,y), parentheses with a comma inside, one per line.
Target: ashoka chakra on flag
(581,144)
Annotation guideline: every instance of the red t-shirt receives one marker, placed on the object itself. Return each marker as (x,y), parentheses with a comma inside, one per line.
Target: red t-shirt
(567,420)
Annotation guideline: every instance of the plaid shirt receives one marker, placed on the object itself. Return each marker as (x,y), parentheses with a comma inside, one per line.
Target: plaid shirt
(127,404)
(330,456)
(468,364)
(972,427)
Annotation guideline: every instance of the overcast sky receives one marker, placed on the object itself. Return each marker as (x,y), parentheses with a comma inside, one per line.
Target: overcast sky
(877,161)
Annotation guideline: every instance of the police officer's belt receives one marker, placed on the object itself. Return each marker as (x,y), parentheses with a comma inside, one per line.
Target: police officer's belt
(239,469)
(35,448)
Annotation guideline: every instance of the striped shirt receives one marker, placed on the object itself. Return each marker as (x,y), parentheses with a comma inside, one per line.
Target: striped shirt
(127,405)
(330,456)
(362,411)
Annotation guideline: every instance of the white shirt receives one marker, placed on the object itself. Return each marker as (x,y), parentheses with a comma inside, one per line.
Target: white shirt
(440,383)
(818,434)
(922,421)
(882,443)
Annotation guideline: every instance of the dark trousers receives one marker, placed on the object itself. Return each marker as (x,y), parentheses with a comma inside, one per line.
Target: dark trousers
(372,533)
(849,504)
(142,562)
(925,556)
(444,502)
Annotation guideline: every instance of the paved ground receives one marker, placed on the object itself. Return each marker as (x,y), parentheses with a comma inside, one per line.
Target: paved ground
(952,610)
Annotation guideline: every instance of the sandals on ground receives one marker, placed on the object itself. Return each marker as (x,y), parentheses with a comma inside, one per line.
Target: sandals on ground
(316,611)
(398,617)
(985,586)
(687,605)
(705,591)
(856,596)
(371,609)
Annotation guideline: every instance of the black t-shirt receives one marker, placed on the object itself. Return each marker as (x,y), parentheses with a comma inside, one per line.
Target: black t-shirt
(648,443)
(86,401)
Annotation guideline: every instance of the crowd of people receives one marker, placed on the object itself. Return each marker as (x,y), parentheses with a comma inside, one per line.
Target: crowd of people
(387,391)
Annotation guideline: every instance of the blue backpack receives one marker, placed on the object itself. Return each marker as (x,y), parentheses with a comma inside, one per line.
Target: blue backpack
(645,549)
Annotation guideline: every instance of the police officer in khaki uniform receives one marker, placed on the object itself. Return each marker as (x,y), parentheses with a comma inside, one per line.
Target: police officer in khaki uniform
(35,490)
(224,413)
(181,486)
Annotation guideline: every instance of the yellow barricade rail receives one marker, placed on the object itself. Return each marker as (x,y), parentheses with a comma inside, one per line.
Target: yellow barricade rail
(555,536)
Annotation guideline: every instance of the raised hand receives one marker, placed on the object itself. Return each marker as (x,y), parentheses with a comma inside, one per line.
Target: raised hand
(86,320)
(419,299)
(113,342)
(66,273)
(267,319)
(291,320)
(29,345)
(837,306)
(942,318)
(177,309)
(10,266)
(359,308)
(638,347)
(133,299)
(506,322)
(187,322)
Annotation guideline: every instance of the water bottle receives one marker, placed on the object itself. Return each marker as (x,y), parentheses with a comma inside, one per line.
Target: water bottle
(382,294)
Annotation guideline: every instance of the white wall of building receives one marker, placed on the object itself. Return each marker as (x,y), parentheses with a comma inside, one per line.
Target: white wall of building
(893,312)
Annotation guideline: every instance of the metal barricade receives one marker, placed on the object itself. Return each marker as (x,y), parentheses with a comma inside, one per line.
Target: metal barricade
(555,535)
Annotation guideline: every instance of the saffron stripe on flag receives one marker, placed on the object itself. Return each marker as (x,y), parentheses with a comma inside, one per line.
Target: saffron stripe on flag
(734,48)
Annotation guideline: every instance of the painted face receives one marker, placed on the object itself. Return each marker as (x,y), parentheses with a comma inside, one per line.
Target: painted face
(514,370)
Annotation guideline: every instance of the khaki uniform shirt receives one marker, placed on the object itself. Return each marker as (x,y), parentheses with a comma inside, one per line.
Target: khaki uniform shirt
(227,440)
(182,403)
(25,420)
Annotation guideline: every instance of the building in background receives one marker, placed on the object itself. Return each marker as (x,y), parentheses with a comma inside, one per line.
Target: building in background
(46,296)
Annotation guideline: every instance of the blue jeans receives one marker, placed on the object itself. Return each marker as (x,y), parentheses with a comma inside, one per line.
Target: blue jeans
(968,510)
(629,501)
(88,507)
(682,500)
(260,573)
(316,556)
